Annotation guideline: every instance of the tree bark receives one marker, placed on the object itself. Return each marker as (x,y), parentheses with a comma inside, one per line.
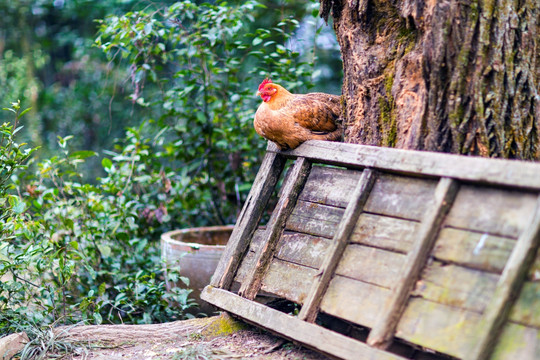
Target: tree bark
(449,76)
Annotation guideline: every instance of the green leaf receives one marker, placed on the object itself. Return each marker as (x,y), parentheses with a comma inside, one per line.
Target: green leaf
(106,163)
(82,154)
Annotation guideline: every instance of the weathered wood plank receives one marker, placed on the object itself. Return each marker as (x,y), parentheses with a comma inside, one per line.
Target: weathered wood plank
(400,196)
(315,219)
(330,186)
(474,250)
(337,247)
(371,265)
(252,281)
(261,191)
(288,280)
(302,249)
(311,335)
(382,332)
(490,210)
(509,284)
(354,300)
(438,327)
(456,286)
(522,174)
(526,310)
(385,232)
(517,342)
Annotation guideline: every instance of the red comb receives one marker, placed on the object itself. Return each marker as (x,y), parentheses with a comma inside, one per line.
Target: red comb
(265,81)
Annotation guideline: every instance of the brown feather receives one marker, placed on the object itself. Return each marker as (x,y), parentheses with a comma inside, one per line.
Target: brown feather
(290,119)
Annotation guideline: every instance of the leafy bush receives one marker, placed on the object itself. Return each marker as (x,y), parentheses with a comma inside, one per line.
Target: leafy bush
(198,67)
(77,250)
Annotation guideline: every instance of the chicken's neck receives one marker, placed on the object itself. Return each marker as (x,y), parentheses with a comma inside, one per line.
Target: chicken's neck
(280,99)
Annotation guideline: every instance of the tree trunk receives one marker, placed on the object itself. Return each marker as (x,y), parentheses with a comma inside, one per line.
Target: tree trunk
(450,76)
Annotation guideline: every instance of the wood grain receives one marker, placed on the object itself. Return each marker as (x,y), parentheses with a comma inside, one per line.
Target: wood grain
(517,342)
(526,310)
(400,196)
(384,232)
(261,191)
(382,332)
(354,300)
(337,247)
(438,327)
(253,278)
(330,186)
(456,286)
(513,173)
(287,280)
(509,285)
(493,211)
(314,336)
(474,250)
(371,265)
(315,219)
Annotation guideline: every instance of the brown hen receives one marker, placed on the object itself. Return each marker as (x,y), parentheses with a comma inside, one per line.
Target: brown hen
(290,119)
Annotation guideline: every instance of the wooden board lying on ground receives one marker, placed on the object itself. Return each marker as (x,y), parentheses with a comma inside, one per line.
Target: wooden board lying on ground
(433,250)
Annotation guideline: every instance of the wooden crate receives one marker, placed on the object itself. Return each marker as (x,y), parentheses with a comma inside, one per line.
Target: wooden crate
(433,250)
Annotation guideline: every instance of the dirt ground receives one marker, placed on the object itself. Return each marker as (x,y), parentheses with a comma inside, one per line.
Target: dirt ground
(213,338)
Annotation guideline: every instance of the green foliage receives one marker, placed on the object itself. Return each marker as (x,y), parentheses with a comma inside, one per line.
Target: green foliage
(198,67)
(82,252)
(80,245)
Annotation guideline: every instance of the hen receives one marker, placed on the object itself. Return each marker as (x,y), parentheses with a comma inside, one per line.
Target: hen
(290,119)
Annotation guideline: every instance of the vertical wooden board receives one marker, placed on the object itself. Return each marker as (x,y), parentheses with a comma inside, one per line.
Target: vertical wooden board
(400,196)
(371,265)
(315,219)
(472,249)
(330,186)
(353,300)
(385,232)
(526,309)
(245,265)
(249,217)
(456,286)
(287,280)
(494,211)
(439,327)
(302,249)
(517,342)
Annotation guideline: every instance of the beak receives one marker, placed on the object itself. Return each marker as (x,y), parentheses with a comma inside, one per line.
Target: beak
(258,93)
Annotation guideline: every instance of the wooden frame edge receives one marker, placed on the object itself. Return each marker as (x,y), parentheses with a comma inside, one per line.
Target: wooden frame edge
(311,335)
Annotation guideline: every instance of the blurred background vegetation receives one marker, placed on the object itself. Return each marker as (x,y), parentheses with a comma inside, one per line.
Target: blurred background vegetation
(140,122)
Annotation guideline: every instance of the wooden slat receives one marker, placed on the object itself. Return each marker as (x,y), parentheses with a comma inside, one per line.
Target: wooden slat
(261,191)
(526,310)
(357,200)
(382,332)
(400,196)
(385,232)
(438,327)
(514,173)
(371,265)
(490,210)
(330,186)
(509,284)
(311,335)
(302,249)
(517,342)
(456,286)
(354,300)
(315,219)
(288,280)
(252,281)
(474,250)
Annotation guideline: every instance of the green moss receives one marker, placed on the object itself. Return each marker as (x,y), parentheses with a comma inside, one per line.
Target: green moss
(387,117)
(222,325)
